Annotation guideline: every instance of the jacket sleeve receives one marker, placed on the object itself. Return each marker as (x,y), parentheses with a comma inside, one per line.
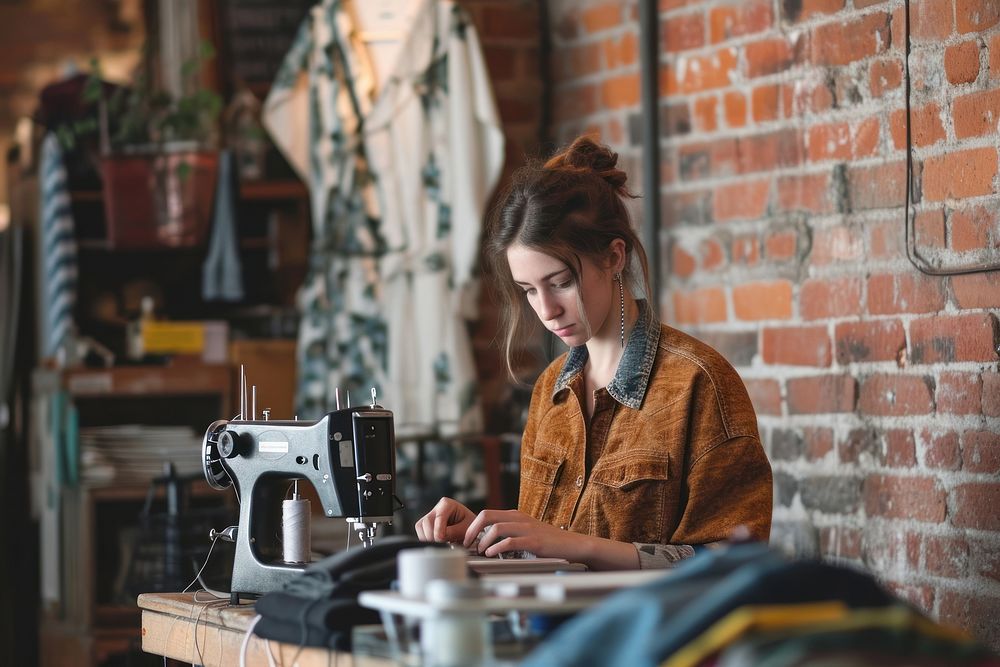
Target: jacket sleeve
(661,556)
(727,486)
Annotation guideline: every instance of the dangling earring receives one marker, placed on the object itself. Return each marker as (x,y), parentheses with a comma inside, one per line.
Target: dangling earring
(621,295)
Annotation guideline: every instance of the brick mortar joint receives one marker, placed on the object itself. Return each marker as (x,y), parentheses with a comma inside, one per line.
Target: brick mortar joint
(947,481)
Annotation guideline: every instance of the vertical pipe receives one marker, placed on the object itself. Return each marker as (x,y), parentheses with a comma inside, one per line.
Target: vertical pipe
(649,58)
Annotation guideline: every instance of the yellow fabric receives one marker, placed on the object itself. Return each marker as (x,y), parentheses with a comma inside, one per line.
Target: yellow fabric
(754,618)
(811,618)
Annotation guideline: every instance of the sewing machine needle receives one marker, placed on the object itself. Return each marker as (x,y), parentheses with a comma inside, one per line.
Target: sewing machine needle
(243,392)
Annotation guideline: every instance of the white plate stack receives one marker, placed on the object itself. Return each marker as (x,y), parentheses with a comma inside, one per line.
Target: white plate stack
(137,452)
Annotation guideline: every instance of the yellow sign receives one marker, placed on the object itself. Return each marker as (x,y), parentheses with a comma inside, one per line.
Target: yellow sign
(165,337)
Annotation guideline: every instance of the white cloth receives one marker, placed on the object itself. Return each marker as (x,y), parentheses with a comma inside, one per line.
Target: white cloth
(58,247)
(399,179)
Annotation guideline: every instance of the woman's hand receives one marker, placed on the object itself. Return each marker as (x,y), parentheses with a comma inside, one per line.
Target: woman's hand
(447,522)
(511,530)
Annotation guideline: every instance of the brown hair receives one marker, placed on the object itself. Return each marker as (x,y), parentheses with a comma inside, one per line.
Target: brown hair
(571,207)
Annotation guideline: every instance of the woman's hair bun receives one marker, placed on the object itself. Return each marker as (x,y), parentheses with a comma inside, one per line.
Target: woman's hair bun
(585,154)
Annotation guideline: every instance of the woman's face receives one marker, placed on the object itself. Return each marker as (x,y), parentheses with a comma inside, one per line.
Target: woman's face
(556,298)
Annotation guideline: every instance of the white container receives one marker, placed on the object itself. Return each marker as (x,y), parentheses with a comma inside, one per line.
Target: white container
(417,567)
(457,639)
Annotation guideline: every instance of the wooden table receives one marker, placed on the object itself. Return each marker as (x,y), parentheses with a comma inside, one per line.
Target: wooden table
(209,632)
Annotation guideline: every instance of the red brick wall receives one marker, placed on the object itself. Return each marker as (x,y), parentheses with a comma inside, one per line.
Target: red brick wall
(509,34)
(783,182)
(509,31)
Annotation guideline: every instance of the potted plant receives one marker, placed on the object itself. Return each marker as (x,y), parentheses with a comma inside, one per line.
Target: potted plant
(159,160)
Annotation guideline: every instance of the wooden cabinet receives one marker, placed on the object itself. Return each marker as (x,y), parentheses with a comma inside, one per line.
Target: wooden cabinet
(85,524)
(84,521)
(272,241)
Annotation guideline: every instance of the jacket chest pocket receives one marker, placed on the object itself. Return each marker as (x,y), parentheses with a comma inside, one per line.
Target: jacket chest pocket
(538,480)
(631,494)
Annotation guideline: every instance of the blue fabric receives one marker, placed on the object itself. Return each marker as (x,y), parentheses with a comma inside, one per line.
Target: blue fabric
(59,267)
(71,444)
(222,272)
(643,626)
(629,384)
(64,423)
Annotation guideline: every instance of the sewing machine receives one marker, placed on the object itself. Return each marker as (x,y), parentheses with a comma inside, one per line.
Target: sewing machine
(349,456)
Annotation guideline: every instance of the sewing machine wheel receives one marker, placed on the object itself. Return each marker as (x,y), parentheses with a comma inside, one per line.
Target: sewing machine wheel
(211,459)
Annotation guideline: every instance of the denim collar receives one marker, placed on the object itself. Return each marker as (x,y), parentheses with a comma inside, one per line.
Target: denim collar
(628,386)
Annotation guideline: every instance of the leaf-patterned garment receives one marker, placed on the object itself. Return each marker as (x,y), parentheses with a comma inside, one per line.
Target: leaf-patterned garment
(399,178)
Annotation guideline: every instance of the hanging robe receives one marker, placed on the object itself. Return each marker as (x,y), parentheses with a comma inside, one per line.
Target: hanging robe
(399,178)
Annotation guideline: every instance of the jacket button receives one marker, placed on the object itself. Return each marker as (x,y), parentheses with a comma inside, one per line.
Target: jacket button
(579,481)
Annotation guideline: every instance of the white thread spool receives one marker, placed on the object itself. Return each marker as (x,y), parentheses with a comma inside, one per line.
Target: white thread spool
(454,639)
(417,567)
(295,514)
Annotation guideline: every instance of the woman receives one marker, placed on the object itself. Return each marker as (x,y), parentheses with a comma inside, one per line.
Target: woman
(641,443)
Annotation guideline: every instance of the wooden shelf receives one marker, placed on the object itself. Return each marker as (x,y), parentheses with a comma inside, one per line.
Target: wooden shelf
(273,190)
(176,380)
(249,191)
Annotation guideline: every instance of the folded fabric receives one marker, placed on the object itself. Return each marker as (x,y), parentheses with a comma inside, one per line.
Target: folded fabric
(290,632)
(645,625)
(897,634)
(317,614)
(870,658)
(58,269)
(754,619)
(349,572)
(320,607)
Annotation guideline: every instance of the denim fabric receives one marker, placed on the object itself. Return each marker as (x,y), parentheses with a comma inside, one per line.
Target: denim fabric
(670,455)
(628,386)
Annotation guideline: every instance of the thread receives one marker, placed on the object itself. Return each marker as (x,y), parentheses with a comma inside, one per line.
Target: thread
(418,567)
(203,565)
(295,513)
(246,639)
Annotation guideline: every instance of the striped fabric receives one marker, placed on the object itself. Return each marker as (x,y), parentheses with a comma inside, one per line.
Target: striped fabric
(58,260)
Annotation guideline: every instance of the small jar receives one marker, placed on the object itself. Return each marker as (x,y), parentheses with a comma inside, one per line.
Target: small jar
(455,639)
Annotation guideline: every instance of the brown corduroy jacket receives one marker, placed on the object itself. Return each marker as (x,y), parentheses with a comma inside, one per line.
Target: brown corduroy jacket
(671,454)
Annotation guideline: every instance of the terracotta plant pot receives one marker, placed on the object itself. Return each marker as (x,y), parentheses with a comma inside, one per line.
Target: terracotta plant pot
(159,199)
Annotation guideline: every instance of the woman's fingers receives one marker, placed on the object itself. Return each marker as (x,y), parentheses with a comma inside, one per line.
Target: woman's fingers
(419,527)
(441,522)
(434,525)
(488,517)
(505,545)
(496,539)
(494,532)
(478,524)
